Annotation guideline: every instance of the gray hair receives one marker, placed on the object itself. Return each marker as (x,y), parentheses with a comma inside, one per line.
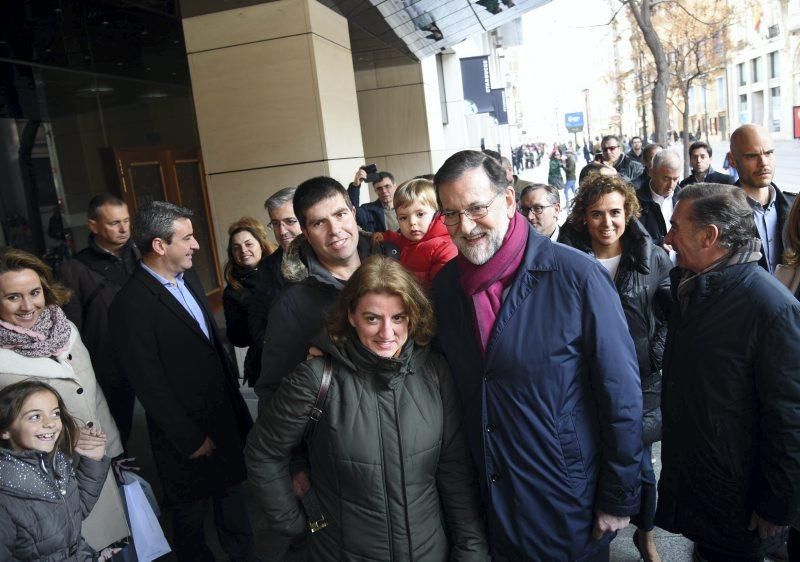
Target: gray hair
(668,159)
(724,206)
(157,220)
(461,162)
(552,192)
(279,198)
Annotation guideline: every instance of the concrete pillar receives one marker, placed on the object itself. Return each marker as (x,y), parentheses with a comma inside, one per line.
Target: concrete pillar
(398,112)
(275,98)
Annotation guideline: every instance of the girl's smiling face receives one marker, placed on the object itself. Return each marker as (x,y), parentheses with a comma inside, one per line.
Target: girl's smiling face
(38,424)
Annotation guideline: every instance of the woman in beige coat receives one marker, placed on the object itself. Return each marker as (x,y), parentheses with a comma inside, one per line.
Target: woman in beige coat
(37,341)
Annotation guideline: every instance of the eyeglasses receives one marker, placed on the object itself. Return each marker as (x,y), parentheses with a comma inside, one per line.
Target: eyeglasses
(473,212)
(610,148)
(537,209)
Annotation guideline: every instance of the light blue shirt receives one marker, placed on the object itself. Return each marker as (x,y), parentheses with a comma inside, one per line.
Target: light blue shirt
(766,218)
(184,296)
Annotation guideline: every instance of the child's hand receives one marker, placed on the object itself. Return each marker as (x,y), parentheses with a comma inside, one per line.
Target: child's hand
(377,238)
(91,443)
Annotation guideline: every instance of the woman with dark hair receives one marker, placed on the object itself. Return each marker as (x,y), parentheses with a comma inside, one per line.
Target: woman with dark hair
(603,223)
(37,341)
(248,247)
(391,477)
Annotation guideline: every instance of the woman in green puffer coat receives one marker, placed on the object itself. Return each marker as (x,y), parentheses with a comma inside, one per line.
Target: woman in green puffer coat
(389,467)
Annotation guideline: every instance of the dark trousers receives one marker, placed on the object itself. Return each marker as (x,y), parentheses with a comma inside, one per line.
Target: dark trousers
(230,519)
(644,520)
(793,545)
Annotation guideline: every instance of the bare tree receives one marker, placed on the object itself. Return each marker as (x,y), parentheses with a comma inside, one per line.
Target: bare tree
(642,12)
(696,40)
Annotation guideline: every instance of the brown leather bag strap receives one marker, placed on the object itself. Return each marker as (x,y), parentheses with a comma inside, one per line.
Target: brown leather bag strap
(322,395)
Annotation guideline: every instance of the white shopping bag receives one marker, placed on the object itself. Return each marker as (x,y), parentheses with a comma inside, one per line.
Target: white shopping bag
(148,538)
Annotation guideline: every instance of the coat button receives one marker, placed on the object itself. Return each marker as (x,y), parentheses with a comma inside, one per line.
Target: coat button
(90,424)
(69,357)
(79,391)
(490,427)
(495,477)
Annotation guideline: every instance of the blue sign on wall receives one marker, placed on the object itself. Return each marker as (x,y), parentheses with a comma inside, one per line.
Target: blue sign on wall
(574,121)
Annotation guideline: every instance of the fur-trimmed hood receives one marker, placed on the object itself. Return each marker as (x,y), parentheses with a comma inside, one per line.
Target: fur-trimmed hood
(300,261)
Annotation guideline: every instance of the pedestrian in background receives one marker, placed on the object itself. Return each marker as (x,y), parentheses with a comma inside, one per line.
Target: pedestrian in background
(554,175)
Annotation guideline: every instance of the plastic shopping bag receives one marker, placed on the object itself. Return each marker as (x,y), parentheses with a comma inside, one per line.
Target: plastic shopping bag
(148,537)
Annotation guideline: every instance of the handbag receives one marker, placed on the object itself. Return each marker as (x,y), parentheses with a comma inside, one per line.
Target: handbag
(316,520)
(148,537)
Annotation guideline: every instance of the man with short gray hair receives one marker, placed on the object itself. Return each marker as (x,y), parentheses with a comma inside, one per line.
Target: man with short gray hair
(656,198)
(167,344)
(286,228)
(540,203)
(731,434)
(539,349)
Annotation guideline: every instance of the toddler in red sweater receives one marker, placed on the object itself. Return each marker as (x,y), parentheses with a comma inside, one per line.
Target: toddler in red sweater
(425,245)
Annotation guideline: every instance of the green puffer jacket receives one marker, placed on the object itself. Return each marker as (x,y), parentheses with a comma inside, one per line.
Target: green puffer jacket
(389,463)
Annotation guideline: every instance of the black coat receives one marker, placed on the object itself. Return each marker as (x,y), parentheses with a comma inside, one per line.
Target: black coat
(651,217)
(731,441)
(712,176)
(95,276)
(237,305)
(642,282)
(629,169)
(369,216)
(185,382)
(270,282)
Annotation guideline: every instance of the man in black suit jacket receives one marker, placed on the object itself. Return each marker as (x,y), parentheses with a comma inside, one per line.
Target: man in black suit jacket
(167,344)
(700,156)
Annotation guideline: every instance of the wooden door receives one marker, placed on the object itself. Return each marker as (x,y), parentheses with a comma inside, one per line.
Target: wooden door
(176,176)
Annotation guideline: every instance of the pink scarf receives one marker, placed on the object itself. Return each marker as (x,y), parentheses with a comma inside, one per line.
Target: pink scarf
(48,337)
(486,283)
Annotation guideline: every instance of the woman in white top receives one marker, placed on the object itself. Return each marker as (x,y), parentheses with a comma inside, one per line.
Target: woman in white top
(603,223)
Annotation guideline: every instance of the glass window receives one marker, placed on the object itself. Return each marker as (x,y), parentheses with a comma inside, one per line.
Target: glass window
(756,68)
(742,75)
(721,102)
(775,108)
(774,64)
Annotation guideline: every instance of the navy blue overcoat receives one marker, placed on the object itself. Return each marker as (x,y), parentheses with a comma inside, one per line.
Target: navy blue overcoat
(553,413)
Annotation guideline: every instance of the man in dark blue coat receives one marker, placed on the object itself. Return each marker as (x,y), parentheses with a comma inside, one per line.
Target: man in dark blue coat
(538,344)
(731,391)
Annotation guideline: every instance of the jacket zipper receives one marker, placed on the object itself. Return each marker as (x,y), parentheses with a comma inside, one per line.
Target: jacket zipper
(62,495)
(402,473)
(385,486)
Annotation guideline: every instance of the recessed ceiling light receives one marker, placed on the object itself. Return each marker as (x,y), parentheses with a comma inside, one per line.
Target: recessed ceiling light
(95,90)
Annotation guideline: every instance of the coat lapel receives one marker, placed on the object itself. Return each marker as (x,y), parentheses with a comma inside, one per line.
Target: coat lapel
(170,302)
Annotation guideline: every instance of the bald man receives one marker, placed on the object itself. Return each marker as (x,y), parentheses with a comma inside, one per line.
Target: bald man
(656,198)
(752,153)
